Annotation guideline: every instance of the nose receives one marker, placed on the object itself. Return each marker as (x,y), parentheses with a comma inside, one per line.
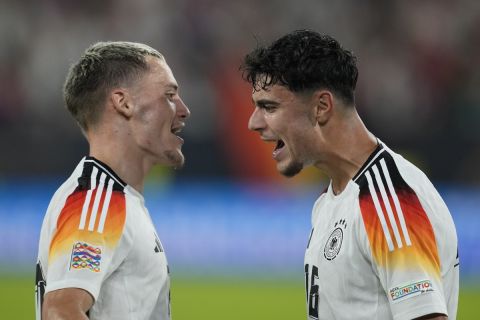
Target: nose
(256,121)
(182,110)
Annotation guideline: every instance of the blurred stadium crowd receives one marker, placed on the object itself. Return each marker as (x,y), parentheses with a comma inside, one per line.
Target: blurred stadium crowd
(418,90)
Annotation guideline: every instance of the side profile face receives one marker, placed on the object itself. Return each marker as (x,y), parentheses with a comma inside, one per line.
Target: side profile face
(158,115)
(288,120)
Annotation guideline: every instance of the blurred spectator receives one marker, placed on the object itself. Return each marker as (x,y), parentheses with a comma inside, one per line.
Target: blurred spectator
(418,86)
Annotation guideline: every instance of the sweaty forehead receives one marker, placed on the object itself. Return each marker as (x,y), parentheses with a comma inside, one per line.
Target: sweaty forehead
(274,92)
(160,72)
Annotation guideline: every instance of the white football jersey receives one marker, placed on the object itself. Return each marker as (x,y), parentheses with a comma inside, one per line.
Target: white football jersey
(384,248)
(97,235)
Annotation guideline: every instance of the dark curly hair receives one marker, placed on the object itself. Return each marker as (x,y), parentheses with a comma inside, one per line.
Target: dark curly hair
(303,60)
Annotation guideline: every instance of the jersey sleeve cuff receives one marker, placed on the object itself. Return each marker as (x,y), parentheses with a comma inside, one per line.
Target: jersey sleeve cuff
(79,284)
(421,311)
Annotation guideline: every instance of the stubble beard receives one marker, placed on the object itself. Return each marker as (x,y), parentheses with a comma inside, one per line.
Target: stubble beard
(292,169)
(176,159)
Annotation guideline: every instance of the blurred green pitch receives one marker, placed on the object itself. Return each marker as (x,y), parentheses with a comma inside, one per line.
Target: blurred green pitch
(212,299)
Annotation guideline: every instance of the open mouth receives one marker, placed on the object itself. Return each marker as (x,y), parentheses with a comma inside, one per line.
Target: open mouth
(278,148)
(177,127)
(176,130)
(280,145)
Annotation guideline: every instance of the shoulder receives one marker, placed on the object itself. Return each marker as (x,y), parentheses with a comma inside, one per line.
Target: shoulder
(394,216)
(388,173)
(96,175)
(97,203)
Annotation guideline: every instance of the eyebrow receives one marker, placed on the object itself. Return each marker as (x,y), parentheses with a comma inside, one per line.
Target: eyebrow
(263,102)
(172,86)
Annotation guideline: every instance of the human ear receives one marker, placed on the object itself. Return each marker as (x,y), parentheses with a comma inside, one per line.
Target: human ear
(323,101)
(121,102)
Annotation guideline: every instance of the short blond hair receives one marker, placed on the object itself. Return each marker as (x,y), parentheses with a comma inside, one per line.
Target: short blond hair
(103,66)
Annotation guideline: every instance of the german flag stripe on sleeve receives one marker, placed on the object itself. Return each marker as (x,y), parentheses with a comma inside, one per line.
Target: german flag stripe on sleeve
(94,213)
(399,231)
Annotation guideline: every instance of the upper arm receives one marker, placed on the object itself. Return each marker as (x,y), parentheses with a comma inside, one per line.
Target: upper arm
(402,243)
(84,247)
(69,303)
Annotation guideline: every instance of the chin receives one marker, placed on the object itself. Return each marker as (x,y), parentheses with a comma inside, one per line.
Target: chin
(291,169)
(175,159)
(179,164)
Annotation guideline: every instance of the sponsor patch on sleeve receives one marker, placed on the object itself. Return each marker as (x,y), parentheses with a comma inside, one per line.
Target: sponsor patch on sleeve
(85,256)
(407,291)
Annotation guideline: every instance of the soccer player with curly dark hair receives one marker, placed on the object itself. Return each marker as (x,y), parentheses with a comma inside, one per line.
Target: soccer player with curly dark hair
(383,244)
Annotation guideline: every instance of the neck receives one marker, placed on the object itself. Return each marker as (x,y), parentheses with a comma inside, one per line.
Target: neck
(349,146)
(113,149)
